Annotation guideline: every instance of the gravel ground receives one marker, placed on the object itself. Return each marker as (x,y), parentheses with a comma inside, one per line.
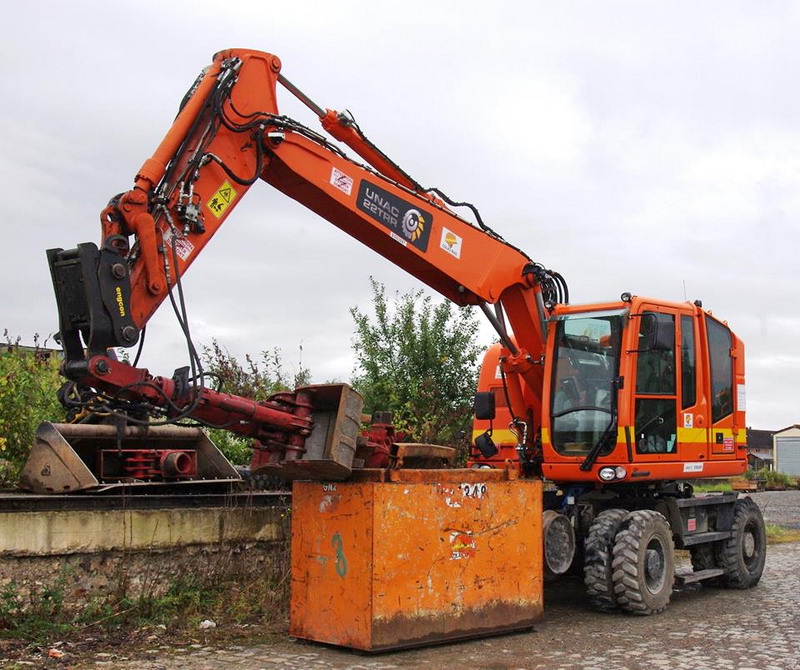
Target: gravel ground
(702,629)
(781,507)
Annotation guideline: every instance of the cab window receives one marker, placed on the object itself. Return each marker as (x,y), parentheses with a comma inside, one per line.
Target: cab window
(655,373)
(656,415)
(656,426)
(719,349)
(688,363)
(583,391)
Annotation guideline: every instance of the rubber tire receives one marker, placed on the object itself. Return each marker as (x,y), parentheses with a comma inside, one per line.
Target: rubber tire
(643,531)
(597,555)
(704,557)
(552,521)
(742,572)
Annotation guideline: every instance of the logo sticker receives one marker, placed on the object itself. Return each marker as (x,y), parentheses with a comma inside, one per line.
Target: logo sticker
(407,223)
(222,199)
(688,420)
(413,224)
(462,545)
(692,467)
(341,181)
(451,243)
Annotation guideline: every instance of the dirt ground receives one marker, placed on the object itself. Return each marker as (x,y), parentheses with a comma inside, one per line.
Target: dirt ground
(703,628)
(781,507)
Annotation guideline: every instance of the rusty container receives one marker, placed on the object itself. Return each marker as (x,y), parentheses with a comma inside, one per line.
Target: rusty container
(430,556)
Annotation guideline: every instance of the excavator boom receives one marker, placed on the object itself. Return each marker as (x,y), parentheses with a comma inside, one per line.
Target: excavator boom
(228,135)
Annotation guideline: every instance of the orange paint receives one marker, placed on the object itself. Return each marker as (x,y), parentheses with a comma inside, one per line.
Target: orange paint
(441,556)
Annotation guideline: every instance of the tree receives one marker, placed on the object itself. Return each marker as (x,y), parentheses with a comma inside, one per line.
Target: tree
(418,359)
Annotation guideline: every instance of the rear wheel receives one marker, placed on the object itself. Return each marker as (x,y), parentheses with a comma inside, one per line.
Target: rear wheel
(704,557)
(644,563)
(597,550)
(742,556)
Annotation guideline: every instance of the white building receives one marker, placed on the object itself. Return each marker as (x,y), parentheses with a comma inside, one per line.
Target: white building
(786,450)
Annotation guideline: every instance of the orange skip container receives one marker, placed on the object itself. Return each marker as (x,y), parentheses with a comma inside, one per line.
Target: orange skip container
(428,556)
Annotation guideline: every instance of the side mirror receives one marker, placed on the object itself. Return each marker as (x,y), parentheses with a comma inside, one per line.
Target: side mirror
(484,406)
(486,445)
(659,336)
(662,336)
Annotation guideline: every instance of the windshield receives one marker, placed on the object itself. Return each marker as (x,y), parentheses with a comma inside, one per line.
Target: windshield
(583,403)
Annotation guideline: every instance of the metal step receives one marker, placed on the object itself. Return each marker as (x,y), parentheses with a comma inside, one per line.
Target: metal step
(703,538)
(682,578)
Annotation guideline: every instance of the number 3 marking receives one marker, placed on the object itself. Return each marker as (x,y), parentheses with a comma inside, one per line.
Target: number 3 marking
(341,561)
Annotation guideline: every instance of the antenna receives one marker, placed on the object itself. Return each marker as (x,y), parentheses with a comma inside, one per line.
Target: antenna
(684,290)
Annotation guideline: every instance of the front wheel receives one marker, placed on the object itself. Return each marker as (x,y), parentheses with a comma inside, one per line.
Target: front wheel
(743,555)
(597,557)
(644,563)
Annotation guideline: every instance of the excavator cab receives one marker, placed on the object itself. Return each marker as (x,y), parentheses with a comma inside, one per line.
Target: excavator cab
(637,390)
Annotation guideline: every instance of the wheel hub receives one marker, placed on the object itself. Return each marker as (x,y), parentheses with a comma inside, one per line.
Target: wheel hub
(654,568)
(749,545)
(559,542)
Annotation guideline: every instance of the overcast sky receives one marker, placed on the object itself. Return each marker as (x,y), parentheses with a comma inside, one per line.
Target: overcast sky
(633,146)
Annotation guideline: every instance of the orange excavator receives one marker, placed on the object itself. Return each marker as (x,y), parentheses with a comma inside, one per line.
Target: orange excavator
(619,404)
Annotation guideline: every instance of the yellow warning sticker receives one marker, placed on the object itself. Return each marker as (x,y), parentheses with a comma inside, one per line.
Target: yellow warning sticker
(220,201)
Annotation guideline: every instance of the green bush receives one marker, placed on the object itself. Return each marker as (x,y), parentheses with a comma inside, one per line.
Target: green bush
(777,479)
(772,479)
(29,380)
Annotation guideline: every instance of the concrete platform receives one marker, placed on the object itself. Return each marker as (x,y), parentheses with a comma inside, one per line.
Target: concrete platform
(96,550)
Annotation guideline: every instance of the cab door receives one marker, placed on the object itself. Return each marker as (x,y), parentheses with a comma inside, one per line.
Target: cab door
(656,391)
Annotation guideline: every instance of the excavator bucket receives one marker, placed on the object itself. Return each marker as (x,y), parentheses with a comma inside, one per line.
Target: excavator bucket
(70,457)
(330,448)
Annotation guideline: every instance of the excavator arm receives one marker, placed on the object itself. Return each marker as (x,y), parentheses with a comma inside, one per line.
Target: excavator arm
(228,135)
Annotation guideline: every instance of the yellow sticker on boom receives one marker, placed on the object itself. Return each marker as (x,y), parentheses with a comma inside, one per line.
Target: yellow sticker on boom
(222,199)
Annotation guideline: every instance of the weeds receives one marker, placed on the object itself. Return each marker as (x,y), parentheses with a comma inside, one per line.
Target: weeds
(777,534)
(226,586)
(721,486)
(40,618)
